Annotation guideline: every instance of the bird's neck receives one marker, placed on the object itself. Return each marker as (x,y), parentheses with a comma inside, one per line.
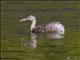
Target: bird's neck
(33,25)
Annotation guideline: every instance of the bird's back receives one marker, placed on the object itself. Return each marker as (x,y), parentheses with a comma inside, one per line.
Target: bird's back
(54,26)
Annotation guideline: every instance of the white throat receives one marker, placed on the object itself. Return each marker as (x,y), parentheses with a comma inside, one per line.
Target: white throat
(33,25)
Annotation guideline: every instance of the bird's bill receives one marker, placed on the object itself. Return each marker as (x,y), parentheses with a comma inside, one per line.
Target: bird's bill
(22,20)
(25,20)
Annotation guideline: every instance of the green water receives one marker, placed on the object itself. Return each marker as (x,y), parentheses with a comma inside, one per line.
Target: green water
(12,30)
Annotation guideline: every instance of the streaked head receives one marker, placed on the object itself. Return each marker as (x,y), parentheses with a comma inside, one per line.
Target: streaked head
(29,18)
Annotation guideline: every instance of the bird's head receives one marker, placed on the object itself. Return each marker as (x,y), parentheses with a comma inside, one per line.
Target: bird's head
(28,18)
